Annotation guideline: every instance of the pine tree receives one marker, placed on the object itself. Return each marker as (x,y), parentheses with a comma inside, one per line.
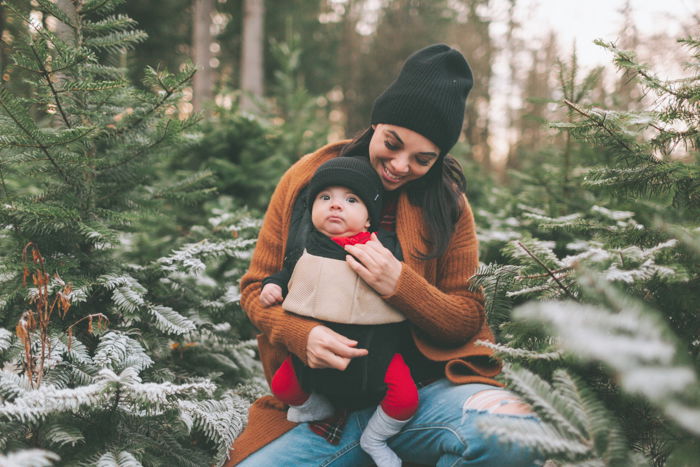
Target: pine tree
(596,309)
(109,359)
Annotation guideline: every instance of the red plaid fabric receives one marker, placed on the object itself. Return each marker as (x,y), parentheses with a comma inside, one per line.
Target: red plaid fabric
(332,427)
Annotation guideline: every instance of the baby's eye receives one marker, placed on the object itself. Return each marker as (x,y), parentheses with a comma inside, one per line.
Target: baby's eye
(352,199)
(324,197)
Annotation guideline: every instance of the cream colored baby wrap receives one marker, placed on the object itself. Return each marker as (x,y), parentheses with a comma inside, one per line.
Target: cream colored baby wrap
(327,289)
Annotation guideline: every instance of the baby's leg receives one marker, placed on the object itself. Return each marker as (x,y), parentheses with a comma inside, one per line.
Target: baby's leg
(303,407)
(395,411)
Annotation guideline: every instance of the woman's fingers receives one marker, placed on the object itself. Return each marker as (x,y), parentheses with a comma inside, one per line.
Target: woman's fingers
(376,265)
(327,349)
(330,360)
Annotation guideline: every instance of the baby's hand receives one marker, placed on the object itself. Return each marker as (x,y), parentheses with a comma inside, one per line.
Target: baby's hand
(271,294)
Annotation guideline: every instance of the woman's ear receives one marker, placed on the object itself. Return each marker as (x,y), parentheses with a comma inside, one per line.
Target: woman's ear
(374,126)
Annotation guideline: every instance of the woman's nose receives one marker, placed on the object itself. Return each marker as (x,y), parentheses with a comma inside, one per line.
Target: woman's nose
(399,165)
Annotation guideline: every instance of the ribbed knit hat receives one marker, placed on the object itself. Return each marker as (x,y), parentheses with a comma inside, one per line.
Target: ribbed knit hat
(355,173)
(428,95)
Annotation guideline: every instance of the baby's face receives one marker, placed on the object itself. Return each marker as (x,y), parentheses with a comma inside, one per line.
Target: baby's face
(338,212)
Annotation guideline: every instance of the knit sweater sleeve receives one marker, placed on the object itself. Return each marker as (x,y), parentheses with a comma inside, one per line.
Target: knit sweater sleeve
(278,326)
(446,310)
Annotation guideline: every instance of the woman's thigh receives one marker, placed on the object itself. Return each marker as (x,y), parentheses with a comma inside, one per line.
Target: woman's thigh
(301,447)
(443,432)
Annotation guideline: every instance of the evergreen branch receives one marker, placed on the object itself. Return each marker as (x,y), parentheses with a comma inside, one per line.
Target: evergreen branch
(170,321)
(29,458)
(548,403)
(5,339)
(91,86)
(221,421)
(7,101)
(138,154)
(93,6)
(116,40)
(523,354)
(625,59)
(111,23)
(56,12)
(60,434)
(121,459)
(187,257)
(47,77)
(168,91)
(549,271)
(546,274)
(59,142)
(532,434)
(118,352)
(593,418)
(601,124)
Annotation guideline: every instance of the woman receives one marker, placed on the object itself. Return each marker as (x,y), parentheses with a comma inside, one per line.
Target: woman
(414,124)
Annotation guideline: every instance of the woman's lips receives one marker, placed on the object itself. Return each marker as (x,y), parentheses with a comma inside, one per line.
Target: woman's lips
(390,177)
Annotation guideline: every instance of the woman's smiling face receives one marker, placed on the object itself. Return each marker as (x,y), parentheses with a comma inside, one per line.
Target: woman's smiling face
(400,155)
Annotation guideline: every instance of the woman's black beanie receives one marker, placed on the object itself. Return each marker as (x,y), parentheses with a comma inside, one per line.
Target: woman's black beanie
(355,173)
(428,95)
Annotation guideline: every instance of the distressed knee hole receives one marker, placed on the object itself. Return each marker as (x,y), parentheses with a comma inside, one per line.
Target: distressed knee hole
(497,401)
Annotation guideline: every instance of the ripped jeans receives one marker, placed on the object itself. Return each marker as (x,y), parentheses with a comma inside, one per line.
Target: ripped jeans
(442,433)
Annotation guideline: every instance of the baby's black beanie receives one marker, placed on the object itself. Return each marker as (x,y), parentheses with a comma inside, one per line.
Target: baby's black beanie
(355,173)
(428,96)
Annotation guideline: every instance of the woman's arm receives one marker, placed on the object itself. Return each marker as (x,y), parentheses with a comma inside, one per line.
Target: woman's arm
(447,310)
(287,329)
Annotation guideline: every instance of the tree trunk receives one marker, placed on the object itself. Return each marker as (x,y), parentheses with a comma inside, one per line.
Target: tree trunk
(252,76)
(63,31)
(201,40)
(3,48)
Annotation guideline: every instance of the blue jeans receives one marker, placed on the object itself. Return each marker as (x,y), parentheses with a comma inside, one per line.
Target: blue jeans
(442,433)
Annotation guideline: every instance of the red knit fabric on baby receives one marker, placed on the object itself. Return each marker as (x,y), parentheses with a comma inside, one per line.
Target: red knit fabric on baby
(357,239)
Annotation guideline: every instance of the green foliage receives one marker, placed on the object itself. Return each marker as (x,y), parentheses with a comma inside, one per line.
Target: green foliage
(247,153)
(122,335)
(597,300)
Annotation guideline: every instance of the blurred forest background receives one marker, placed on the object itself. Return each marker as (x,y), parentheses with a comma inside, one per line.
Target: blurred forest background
(141,141)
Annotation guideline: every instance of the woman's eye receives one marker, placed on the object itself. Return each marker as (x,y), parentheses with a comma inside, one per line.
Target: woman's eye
(423,162)
(391,146)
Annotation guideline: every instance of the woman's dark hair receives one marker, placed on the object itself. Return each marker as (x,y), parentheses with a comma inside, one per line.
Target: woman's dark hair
(438,193)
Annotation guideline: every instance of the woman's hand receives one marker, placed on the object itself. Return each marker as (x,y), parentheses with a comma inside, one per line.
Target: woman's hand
(377,265)
(326,348)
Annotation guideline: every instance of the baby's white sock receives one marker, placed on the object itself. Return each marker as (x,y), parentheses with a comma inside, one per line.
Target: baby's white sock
(315,408)
(380,428)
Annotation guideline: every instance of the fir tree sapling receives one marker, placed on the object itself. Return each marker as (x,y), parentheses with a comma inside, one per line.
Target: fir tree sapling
(604,291)
(80,152)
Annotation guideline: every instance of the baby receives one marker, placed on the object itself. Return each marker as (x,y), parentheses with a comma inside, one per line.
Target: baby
(345,197)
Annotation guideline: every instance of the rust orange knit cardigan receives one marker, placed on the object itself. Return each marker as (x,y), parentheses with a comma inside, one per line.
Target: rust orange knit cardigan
(447,318)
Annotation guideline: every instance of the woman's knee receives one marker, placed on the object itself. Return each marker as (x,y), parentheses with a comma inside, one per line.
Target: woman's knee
(484,449)
(497,401)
